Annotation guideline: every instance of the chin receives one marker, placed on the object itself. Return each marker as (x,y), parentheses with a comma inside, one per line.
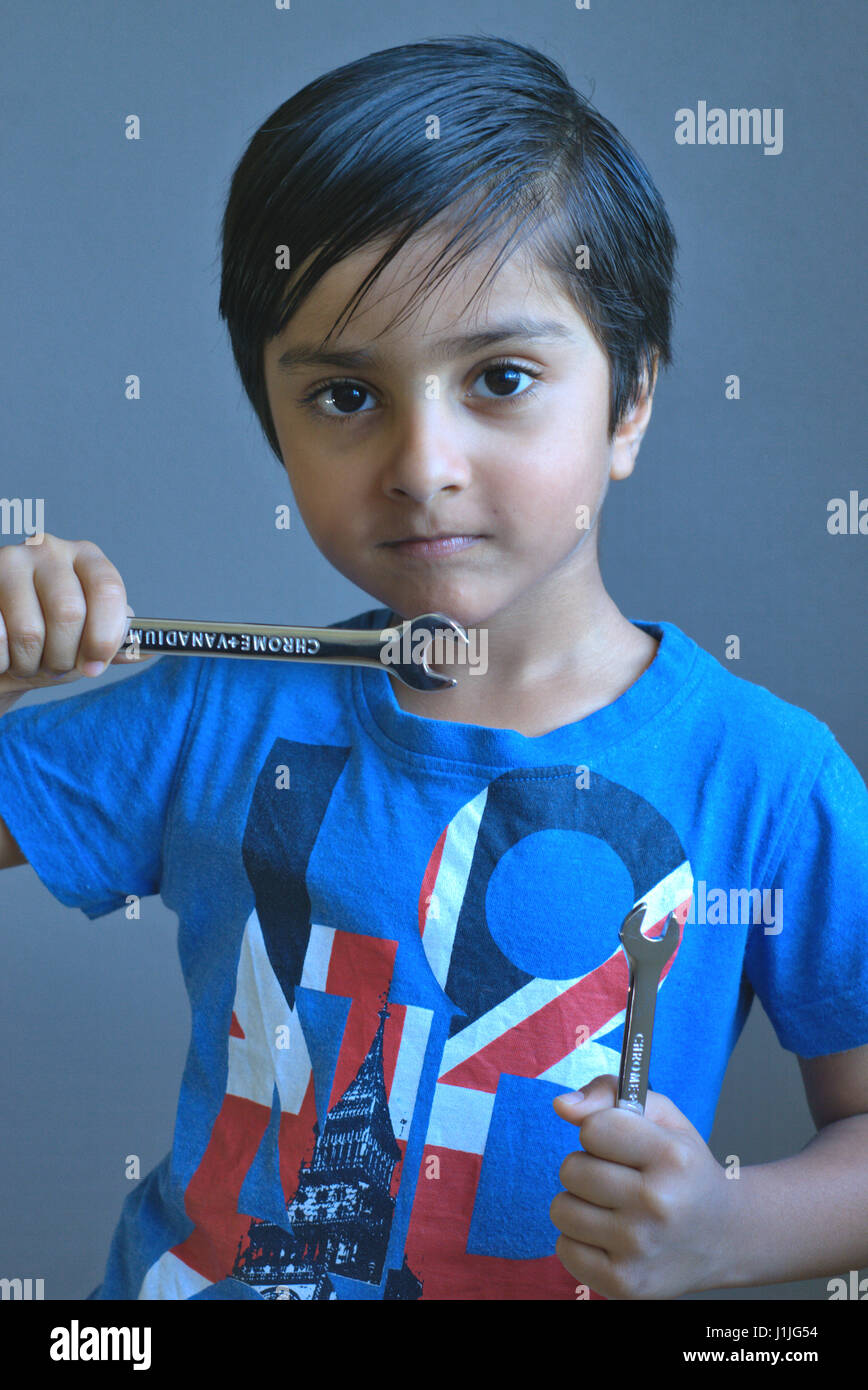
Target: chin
(470,610)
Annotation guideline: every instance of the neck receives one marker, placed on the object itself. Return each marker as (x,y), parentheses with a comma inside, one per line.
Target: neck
(531,679)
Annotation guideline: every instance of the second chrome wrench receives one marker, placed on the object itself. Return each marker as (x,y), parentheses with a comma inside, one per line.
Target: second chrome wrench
(403,649)
(647,956)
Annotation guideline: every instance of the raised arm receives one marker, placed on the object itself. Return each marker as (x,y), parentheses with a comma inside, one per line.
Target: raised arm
(63,609)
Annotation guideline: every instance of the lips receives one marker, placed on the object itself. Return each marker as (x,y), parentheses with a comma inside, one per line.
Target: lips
(437,536)
(432,546)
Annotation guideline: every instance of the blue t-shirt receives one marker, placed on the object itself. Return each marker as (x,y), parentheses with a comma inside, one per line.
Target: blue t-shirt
(400,940)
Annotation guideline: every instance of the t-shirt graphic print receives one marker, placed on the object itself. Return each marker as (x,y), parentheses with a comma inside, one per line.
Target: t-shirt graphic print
(387,1128)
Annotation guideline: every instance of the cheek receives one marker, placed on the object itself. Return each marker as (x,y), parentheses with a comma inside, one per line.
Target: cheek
(327,505)
(321,508)
(549,499)
(544,489)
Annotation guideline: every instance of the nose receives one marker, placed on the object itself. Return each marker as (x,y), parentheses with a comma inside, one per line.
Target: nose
(427,451)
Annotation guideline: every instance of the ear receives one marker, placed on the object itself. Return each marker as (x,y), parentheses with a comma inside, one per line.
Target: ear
(628,436)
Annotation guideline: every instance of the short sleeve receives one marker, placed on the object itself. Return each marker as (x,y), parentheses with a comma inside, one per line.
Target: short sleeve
(86,783)
(808,961)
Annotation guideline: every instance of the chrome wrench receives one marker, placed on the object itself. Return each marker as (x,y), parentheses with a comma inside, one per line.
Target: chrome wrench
(402,649)
(647,957)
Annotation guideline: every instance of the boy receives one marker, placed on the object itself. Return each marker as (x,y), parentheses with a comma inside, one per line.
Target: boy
(399,912)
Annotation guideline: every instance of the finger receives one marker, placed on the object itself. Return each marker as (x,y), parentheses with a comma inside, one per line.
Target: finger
(666,1115)
(658,1135)
(602,1132)
(584,1222)
(4,646)
(64,609)
(618,1144)
(588,1265)
(598,1180)
(107,617)
(23,624)
(637,1141)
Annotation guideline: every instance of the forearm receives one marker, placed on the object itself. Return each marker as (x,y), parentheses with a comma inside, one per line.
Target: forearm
(803,1217)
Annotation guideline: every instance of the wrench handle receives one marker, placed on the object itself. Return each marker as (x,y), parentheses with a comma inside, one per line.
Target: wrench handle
(394,649)
(180,637)
(638,1028)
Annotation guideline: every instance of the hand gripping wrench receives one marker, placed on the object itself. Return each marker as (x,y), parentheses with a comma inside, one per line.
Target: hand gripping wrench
(647,956)
(401,649)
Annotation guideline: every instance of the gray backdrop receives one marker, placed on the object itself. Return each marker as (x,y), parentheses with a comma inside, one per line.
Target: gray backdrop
(110,259)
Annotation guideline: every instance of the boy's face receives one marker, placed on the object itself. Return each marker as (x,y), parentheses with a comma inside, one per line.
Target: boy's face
(417,440)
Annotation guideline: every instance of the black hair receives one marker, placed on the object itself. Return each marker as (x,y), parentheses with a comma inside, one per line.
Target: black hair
(348,160)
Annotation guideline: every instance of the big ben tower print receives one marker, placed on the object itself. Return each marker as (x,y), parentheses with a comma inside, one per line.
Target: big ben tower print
(342,1211)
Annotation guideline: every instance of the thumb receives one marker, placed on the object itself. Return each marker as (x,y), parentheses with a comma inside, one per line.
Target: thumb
(602,1094)
(598,1094)
(124,655)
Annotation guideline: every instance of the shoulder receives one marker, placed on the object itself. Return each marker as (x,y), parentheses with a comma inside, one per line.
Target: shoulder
(772,768)
(748,714)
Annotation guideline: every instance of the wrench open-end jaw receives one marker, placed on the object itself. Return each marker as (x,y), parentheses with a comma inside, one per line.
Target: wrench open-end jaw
(416,672)
(396,649)
(647,956)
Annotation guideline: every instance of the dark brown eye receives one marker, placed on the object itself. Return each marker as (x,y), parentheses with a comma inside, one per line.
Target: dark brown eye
(337,400)
(502,378)
(506,379)
(347,396)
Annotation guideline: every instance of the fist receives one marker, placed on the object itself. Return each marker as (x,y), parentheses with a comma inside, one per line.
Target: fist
(646,1206)
(63,613)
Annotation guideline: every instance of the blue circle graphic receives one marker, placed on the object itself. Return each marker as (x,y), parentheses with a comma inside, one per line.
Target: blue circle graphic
(546,897)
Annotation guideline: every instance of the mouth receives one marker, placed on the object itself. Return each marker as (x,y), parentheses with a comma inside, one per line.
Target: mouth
(432,546)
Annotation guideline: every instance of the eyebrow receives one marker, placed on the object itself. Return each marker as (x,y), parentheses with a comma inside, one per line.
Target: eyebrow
(531,330)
